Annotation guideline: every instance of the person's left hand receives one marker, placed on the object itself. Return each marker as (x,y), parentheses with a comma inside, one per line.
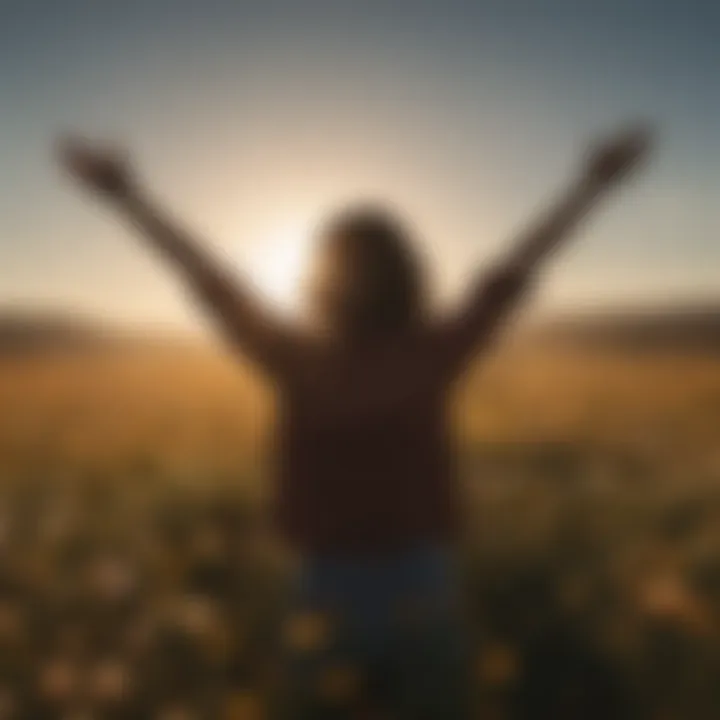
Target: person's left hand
(103,170)
(613,160)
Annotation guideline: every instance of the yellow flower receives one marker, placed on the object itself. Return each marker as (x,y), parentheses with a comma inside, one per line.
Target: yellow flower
(308,631)
(339,684)
(498,665)
(244,706)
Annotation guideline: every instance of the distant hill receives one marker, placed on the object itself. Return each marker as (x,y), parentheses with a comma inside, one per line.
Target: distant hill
(26,331)
(686,328)
(679,328)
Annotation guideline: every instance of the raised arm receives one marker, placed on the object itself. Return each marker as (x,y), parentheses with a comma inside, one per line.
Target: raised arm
(607,166)
(499,291)
(240,315)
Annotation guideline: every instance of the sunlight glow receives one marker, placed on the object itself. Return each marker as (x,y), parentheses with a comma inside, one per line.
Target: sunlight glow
(279,264)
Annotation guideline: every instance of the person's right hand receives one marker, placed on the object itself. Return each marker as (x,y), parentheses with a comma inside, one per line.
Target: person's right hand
(617,157)
(100,169)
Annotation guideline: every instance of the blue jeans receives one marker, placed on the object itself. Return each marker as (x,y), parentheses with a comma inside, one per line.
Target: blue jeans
(382,634)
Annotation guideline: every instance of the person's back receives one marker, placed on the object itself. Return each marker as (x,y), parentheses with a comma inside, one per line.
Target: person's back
(366,488)
(365,463)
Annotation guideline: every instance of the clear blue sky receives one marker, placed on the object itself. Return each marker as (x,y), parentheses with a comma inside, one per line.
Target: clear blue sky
(249,118)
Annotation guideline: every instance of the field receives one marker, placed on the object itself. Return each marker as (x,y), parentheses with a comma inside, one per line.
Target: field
(138,577)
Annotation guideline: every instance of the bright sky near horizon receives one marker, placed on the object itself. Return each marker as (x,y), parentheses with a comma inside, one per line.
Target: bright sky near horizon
(250,120)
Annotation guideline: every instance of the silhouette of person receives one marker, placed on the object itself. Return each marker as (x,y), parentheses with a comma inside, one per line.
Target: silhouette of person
(365,479)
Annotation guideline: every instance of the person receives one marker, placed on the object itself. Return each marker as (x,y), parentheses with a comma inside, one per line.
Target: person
(366,494)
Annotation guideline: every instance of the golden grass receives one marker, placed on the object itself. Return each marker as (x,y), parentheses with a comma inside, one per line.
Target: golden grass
(592,486)
(190,409)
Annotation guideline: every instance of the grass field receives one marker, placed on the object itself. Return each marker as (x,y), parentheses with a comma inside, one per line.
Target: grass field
(134,483)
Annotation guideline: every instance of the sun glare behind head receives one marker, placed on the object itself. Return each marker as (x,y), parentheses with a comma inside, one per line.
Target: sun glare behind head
(279,264)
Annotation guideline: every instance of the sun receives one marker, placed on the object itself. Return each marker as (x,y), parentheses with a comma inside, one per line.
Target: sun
(279,264)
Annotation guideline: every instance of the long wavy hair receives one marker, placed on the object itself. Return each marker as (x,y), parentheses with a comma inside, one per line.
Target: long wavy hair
(369,277)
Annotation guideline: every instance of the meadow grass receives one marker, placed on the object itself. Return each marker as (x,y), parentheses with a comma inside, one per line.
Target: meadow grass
(592,504)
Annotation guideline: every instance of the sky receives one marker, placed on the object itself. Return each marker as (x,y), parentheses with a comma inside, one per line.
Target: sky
(252,120)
